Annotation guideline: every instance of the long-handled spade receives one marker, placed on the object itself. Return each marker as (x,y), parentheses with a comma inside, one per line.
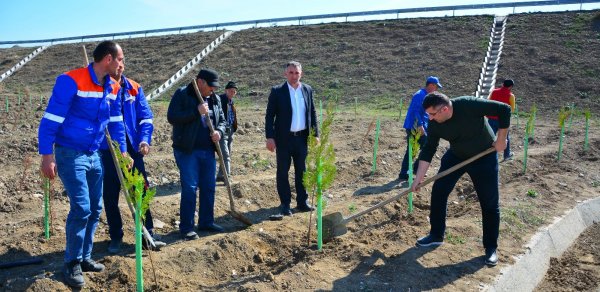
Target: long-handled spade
(233,212)
(145,232)
(334,224)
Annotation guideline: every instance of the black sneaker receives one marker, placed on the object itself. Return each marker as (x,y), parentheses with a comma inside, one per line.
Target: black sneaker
(305,208)
(491,257)
(73,274)
(211,228)
(191,236)
(430,240)
(509,157)
(90,265)
(285,211)
(402,177)
(114,247)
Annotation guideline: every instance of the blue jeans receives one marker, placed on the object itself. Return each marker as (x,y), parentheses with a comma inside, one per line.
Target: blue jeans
(484,174)
(196,172)
(494,125)
(81,174)
(112,187)
(404,168)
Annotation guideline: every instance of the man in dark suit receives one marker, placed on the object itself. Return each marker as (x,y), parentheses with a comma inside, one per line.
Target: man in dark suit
(289,119)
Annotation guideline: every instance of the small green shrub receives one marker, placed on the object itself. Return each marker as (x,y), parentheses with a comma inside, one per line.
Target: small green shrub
(455,239)
(532,193)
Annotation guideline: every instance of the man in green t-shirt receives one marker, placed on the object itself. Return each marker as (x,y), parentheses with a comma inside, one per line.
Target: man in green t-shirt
(461,121)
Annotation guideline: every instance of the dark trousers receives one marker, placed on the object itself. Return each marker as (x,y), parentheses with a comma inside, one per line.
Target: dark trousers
(404,169)
(484,174)
(294,149)
(112,187)
(494,125)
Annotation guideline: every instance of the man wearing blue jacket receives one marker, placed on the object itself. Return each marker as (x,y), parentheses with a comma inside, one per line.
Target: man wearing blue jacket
(416,116)
(83,104)
(137,116)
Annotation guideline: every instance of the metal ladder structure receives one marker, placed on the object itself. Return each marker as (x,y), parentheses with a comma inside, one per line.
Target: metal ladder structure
(22,62)
(188,66)
(487,77)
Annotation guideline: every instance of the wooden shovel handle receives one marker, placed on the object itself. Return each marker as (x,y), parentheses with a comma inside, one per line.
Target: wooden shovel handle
(427,181)
(217,146)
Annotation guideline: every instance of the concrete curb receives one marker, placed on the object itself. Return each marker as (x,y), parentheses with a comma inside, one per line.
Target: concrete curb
(530,267)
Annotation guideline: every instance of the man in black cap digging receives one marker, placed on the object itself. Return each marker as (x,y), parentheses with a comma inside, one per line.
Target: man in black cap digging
(194,150)
(230,113)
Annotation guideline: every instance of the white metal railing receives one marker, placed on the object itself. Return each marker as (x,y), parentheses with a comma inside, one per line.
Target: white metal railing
(300,19)
(22,63)
(487,80)
(189,66)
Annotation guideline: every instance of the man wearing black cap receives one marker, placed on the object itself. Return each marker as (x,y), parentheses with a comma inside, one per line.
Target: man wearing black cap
(194,150)
(289,119)
(231,118)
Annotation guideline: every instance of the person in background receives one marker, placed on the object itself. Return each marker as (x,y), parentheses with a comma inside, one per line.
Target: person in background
(227,104)
(503,94)
(461,121)
(194,150)
(137,116)
(289,119)
(416,116)
(82,105)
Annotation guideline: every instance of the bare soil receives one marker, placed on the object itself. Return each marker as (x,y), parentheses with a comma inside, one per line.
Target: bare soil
(578,269)
(378,252)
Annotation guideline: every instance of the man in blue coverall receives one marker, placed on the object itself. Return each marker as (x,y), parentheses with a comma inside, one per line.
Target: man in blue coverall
(416,114)
(83,104)
(137,116)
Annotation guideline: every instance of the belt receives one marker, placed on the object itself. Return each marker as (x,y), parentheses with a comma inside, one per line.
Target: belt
(298,133)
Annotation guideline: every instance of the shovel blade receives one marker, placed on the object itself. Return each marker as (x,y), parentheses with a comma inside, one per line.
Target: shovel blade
(238,216)
(333,225)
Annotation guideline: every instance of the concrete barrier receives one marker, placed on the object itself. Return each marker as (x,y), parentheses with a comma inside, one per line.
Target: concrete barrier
(531,267)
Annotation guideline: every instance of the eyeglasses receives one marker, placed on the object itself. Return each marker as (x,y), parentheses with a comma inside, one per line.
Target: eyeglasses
(436,112)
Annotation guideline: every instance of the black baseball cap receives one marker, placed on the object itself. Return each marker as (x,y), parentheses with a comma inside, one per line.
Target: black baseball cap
(210,76)
(231,84)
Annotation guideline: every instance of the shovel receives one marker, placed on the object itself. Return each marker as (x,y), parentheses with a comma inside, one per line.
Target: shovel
(115,160)
(334,224)
(235,214)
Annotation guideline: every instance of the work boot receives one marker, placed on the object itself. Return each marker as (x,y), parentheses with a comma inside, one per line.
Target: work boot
(90,265)
(73,274)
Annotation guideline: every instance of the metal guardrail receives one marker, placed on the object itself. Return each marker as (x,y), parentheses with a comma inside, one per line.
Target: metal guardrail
(312,17)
